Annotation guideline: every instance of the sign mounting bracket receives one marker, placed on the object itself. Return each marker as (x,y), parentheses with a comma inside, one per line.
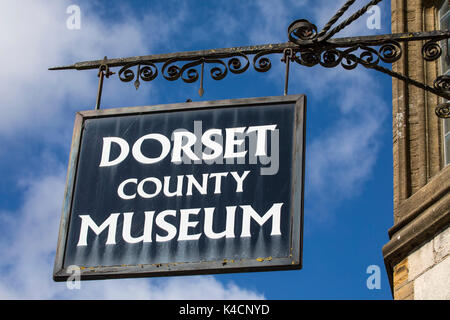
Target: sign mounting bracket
(306,47)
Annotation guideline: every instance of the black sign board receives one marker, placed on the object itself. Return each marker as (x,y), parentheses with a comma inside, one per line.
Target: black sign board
(188,188)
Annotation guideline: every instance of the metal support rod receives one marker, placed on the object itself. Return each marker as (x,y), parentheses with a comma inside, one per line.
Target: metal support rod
(335,18)
(286,78)
(201,90)
(393,74)
(101,75)
(287,57)
(306,47)
(225,52)
(350,20)
(103,71)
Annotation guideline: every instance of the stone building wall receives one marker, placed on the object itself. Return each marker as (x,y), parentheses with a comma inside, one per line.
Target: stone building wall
(424,274)
(416,256)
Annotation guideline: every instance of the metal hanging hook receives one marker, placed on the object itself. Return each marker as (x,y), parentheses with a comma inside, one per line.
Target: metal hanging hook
(103,71)
(306,47)
(288,56)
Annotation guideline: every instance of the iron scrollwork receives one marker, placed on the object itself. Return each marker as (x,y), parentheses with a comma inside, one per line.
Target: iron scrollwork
(442,83)
(301,30)
(261,62)
(443,110)
(390,52)
(186,69)
(431,51)
(145,72)
(307,46)
(350,57)
(187,72)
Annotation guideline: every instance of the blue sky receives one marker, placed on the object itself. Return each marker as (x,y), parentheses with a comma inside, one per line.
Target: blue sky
(348,187)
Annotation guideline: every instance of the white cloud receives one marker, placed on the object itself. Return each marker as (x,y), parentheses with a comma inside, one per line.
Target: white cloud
(38,105)
(341,154)
(27,255)
(35,100)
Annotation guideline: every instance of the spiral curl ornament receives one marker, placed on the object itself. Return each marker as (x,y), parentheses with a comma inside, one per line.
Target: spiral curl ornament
(442,83)
(170,72)
(173,73)
(148,72)
(261,63)
(369,56)
(192,76)
(431,51)
(443,110)
(219,71)
(188,72)
(330,58)
(301,30)
(390,52)
(307,58)
(349,60)
(145,71)
(126,74)
(350,57)
(235,65)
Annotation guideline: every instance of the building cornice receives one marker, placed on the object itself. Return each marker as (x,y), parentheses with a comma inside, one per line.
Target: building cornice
(425,213)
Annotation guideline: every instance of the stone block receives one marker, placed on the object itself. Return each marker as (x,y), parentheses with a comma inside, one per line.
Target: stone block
(420,260)
(434,284)
(441,245)
(401,274)
(405,292)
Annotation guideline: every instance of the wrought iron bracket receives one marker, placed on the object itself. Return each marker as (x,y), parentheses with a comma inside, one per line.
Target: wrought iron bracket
(306,46)
(103,71)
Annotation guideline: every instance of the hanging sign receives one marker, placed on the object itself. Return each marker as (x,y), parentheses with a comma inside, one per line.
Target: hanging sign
(189,188)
